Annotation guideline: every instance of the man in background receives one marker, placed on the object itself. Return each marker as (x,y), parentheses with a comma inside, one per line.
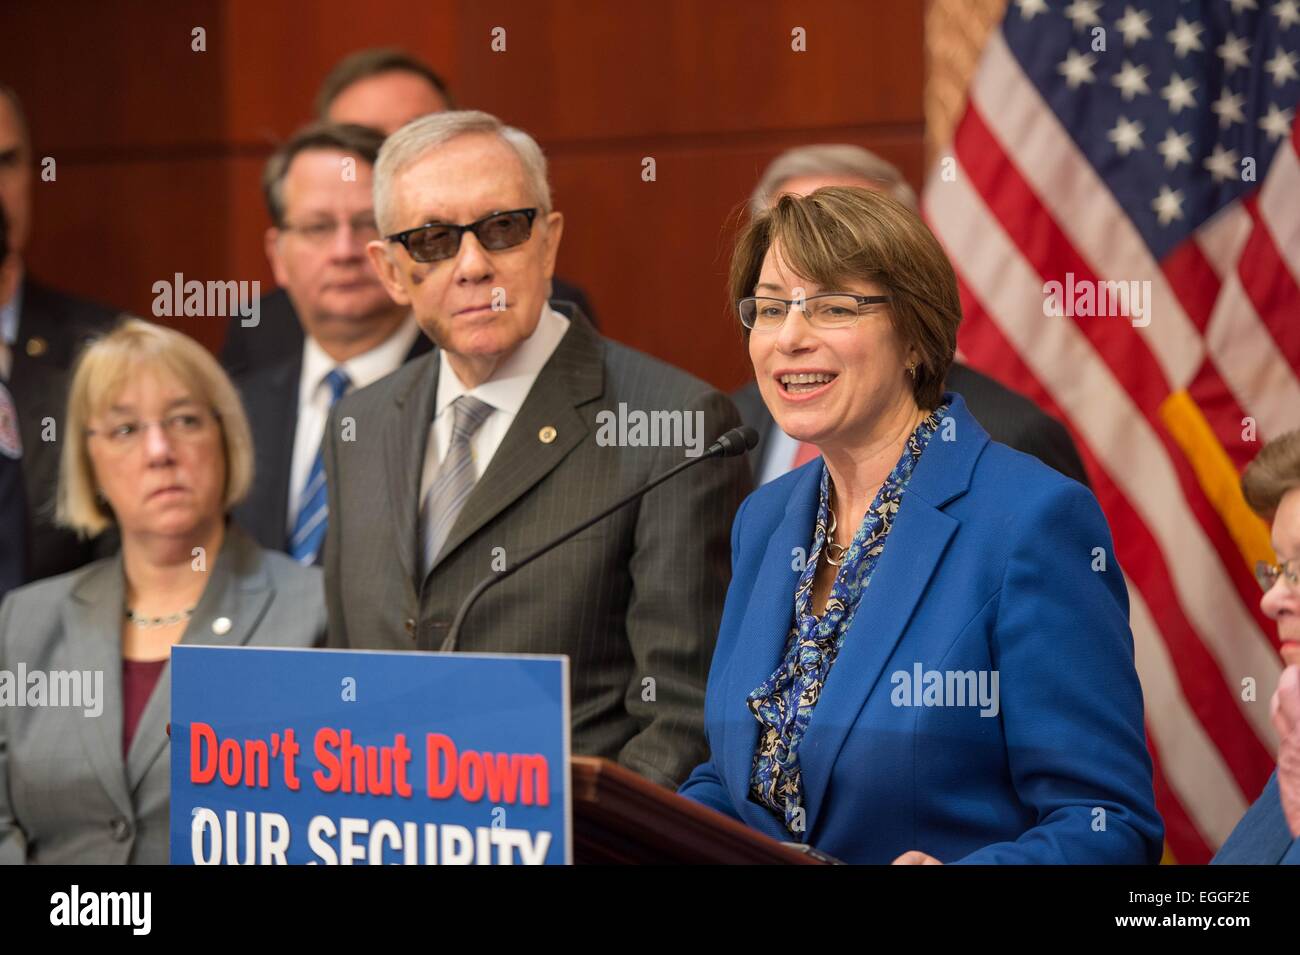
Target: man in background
(41,331)
(1006,415)
(13,500)
(384,89)
(352,332)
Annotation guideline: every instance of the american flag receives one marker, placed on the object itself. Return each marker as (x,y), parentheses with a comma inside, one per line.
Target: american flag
(1151,142)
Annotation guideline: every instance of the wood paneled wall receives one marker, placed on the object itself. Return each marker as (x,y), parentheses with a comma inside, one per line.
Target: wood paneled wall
(159,148)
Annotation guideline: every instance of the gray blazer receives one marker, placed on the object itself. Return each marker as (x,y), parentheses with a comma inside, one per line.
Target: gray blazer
(635,601)
(66,794)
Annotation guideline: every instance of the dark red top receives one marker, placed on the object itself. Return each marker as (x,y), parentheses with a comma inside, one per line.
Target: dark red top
(139,677)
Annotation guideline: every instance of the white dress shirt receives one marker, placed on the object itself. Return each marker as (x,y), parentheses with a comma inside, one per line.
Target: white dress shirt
(505,391)
(314,396)
(781,449)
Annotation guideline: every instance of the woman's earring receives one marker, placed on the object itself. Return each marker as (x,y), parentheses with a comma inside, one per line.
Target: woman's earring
(911,369)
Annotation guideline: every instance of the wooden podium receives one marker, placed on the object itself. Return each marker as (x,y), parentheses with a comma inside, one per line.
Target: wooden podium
(620,818)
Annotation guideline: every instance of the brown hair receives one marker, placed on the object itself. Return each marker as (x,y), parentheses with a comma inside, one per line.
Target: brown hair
(366,63)
(843,233)
(361,141)
(1275,470)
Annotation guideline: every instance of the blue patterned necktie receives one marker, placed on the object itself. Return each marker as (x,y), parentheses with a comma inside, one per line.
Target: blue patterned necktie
(313,505)
(454,480)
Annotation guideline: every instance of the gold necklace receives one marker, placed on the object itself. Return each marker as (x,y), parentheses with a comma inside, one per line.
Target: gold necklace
(834,552)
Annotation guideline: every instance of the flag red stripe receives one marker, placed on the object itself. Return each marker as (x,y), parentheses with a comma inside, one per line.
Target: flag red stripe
(1225,416)
(1196,286)
(1194,282)
(1269,286)
(1030,227)
(1185,841)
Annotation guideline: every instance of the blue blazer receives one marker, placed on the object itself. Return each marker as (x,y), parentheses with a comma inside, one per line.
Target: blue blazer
(995,563)
(1262,837)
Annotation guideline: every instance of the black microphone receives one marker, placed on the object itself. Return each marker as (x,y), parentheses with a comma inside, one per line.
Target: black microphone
(732,443)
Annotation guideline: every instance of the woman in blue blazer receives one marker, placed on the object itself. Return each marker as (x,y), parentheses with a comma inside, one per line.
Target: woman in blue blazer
(925,653)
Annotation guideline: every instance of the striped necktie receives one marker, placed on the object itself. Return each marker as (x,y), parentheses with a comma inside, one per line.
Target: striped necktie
(454,480)
(313,504)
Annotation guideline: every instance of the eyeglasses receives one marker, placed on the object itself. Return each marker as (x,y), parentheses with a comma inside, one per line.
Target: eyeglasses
(441,240)
(1267,574)
(184,427)
(762,313)
(363,228)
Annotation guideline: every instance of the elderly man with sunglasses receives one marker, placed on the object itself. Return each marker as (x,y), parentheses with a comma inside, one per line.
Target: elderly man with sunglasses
(468,459)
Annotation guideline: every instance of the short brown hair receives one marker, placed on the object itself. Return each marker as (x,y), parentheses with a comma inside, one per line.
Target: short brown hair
(103,369)
(1275,470)
(361,141)
(367,63)
(844,233)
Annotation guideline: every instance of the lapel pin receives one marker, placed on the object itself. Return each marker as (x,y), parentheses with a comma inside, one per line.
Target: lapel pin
(221,626)
(36,346)
(546,435)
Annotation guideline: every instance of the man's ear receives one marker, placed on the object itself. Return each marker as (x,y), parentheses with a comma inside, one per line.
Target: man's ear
(387,270)
(272,243)
(554,232)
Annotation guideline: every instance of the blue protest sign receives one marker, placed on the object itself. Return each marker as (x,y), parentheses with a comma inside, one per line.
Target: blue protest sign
(349,757)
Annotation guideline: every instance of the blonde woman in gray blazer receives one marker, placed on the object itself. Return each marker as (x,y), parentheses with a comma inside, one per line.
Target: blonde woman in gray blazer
(158,446)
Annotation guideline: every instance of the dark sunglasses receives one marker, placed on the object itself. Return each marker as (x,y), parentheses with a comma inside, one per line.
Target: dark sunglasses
(441,240)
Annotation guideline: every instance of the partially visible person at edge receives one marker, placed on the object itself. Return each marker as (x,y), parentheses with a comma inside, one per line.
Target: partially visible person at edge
(1269,833)
(42,328)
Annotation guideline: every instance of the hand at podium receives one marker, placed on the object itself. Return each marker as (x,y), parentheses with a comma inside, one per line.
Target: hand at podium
(916,857)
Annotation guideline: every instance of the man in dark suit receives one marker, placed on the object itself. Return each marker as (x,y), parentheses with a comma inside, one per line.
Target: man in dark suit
(13,499)
(504,437)
(41,331)
(1008,416)
(350,332)
(383,89)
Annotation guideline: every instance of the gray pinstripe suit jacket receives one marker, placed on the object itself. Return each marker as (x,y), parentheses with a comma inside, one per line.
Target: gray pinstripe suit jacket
(637,597)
